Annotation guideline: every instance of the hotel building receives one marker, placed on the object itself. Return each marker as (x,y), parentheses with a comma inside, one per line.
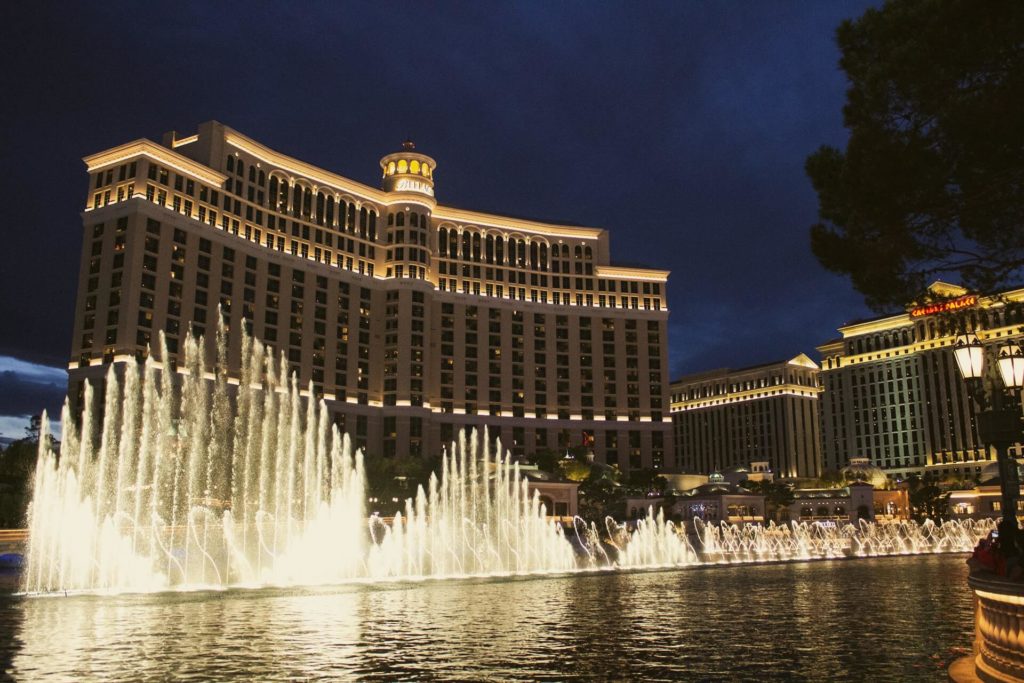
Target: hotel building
(893,393)
(766,413)
(412,319)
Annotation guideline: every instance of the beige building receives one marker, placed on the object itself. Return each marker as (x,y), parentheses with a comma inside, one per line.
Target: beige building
(720,501)
(764,414)
(893,392)
(411,318)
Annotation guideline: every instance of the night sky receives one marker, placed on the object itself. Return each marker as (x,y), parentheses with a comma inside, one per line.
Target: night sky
(680,127)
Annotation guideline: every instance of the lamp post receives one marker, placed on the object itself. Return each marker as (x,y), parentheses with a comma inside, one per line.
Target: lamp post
(999,421)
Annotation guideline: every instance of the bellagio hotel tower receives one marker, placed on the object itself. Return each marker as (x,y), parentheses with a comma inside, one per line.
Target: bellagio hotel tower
(412,319)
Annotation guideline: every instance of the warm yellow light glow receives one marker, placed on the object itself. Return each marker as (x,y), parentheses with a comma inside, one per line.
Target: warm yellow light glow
(184,141)
(151,150)
(403,166)
(642,274)
(414,166)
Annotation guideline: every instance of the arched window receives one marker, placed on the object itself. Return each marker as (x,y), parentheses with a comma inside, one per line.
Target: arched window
(533,255)
(414,167)
(351,217)
(307,202)
(499,249)
(403,166)
(414,219)
(296,200)
(476,246)
(391,219)
(543,256)
(282,197)
(442,240)
(373,226)
(577,252)
(453,244)
(364,221)
(252,174)
(466,242)
(565,251)
(587,253)
(391,168)
(330,210)
(231,163)
(263,178)
(521,253)
(489,249)
(273,191)
(400,218)
(321,205)
(240,169)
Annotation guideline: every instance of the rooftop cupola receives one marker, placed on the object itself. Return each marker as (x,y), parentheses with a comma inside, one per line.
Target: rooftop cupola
(408,171)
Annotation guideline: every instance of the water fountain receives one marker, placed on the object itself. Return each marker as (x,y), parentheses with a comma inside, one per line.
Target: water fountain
(194,479)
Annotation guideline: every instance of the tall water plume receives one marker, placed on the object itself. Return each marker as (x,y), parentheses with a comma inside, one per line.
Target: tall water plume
(187,480)
(190,478)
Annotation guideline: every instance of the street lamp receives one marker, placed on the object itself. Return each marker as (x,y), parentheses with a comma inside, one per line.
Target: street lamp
(999,421)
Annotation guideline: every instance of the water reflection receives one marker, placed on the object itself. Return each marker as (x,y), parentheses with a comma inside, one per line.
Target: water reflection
(874,619)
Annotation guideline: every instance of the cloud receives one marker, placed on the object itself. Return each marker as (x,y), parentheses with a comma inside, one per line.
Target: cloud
(27,389)
(33,372)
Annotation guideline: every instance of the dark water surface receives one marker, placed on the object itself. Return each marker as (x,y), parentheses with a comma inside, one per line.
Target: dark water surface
(887,619)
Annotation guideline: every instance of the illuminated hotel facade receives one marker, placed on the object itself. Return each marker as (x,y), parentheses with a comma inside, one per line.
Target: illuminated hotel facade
(766,413)
(893,393)
(411,319)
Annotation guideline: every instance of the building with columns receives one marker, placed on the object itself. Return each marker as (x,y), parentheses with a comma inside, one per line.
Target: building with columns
(765,414)
(893,393)
(411,318)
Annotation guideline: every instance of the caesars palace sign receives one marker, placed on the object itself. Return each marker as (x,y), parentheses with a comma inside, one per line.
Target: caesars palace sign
(945,306)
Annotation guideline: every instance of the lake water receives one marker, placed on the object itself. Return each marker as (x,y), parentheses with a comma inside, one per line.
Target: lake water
(885,619)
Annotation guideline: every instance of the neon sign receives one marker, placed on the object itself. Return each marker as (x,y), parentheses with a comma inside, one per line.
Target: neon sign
(945,306)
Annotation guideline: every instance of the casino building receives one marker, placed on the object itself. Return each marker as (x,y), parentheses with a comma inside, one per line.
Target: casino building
(765,413)
(412,319)
(893,393)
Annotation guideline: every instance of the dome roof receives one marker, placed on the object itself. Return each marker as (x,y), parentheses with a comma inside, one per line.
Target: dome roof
(861,469)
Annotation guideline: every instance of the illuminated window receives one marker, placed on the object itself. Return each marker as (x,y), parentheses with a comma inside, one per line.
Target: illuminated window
(414,166)
(403,166)
(391,168)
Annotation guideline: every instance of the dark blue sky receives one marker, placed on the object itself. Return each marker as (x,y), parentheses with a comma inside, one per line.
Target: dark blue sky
(681,127)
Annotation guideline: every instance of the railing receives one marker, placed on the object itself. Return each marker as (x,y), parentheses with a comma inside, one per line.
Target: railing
(998,629)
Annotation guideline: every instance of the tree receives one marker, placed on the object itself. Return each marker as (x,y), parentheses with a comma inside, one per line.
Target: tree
(927,501)
(777,496)
(547,460)
(831,479)
(574,469)
(35,426)
(398,478)
(646,482)
(931,183)
(600,494)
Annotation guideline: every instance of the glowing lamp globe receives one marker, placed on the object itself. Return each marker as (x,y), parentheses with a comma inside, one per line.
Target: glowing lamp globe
(970,356)
(1011,366)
